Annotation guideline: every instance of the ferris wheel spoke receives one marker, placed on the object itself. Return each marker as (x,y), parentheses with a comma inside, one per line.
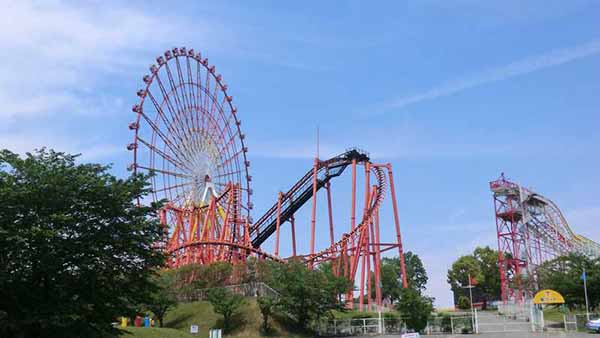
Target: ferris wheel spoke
(186,98)
(213,99)
(171,187)
(226,162)
(231,140)
(206,89)
(175,120)
(168,122)
(198,94)
(163,155)
(160,134)
(181,101)
(226,185)
(180,95)
(166,172)
(228,173)
(180,107)
(193,102)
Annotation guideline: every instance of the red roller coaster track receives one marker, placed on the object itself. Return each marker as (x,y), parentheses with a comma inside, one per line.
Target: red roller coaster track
(188,135)
(531,229)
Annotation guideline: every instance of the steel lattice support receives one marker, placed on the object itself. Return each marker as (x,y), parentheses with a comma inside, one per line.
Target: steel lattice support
(531,230)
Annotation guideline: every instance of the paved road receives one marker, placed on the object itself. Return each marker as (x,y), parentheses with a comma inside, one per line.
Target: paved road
(505,335)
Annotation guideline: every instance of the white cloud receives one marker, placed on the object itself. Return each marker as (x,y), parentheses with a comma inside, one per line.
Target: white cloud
(521,67)
(90,149)
(63,64)
(57,53)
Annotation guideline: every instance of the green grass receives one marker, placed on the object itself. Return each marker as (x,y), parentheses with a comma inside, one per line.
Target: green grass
(142,332)
(177,323)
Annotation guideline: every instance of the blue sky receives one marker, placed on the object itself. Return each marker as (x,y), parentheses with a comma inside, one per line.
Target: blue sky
(451,93)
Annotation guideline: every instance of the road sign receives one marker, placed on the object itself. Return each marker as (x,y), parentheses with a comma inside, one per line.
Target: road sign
(411,335)
(194,329)
(548,297)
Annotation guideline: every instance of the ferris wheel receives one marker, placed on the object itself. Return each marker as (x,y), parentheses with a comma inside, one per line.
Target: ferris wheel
(187,133)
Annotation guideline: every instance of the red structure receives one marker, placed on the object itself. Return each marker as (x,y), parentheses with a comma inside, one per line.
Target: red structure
(531,229)
(188,137)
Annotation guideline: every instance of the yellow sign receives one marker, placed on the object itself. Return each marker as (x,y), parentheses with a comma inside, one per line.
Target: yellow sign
(548,297)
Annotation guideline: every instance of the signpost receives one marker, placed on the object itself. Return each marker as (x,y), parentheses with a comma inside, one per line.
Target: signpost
(587,307)
(547,297)
(472,283)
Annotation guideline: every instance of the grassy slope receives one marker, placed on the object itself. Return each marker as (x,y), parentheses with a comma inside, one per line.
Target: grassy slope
(178,321)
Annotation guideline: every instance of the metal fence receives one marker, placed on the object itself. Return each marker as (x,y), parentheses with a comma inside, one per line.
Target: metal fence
(394,325)
(514,314)
(576,322)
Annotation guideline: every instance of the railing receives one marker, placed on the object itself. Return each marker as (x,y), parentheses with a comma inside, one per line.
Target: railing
(394,325)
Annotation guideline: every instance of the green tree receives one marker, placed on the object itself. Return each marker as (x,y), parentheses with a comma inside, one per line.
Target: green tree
(77,250)
(304,294)
(563,274)
(464,303)
(458,275)
(216,274)
(391,276)
(482,265)
(163,297)
(225,303)
(414,308)
(338,284)
(490,274)
(266,305)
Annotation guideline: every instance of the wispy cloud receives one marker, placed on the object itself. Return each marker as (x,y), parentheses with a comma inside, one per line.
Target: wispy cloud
(65,62)
(58,52)
(521,67)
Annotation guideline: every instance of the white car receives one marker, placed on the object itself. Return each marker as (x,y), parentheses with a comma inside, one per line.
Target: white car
(593,324)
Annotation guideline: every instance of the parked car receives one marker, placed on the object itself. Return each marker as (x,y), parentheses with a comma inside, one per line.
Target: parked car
(593,324)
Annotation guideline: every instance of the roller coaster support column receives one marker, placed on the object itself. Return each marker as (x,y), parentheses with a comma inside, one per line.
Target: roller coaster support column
(349,261)
(365,239)
(353,209)
(314,209)
(397,222)
(293,224)
(330,212)
(377,261)
(278,224)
